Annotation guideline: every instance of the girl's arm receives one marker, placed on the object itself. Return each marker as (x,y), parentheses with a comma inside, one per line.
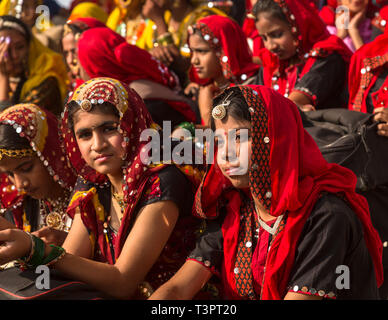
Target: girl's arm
(142,247)
(189,279)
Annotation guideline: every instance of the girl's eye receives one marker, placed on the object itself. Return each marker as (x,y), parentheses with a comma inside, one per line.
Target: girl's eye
(27,168)
(110,129)
(84,135)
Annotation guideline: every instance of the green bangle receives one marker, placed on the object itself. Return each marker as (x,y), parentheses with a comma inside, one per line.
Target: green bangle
(37,256)
(188,126)
(55,254)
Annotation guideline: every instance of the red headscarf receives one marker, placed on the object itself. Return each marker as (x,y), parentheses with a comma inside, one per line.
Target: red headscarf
(365,66)
(40,128)
(228,40)
(104,53)
(314,41)
(290,175)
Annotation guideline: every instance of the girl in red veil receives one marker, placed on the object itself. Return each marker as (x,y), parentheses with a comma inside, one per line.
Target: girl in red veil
(281,229)
(301,60)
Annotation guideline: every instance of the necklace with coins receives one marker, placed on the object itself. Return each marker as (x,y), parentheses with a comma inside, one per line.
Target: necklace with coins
(53,212)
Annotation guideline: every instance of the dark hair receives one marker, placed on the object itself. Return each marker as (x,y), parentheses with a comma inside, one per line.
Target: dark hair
(270,7)
(106,108)
(238,107)
(11,140)
(27,33)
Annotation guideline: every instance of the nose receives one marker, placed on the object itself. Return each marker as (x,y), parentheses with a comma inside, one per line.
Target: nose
(98,143)
(271,45)
(228,150)
(21,182)
(194,59)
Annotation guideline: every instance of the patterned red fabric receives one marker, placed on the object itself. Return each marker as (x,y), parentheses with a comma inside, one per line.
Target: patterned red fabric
(314,41)
(104,53)
(227,39)
(244,281)
(40,128)
(365,67)
(298,174)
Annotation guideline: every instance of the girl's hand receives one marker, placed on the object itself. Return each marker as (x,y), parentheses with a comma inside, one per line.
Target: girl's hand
(51,236)
(14,244)
(356,20)
(342,28)
(381,114)
(4,55)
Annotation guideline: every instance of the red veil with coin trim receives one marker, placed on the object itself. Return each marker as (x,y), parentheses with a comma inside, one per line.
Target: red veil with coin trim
(288,177)
(134,119)
(314,42)
(40,128)
(228,40)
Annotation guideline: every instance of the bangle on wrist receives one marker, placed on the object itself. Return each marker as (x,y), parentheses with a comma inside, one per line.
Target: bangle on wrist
(165,39)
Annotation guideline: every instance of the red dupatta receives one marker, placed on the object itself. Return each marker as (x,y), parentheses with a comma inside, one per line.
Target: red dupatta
(228,40)
(365,66)
(314,42)
(104,53)
(40,128)
(289,174)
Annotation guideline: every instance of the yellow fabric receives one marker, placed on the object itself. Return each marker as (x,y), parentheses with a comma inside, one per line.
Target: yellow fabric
(120,13)
(146,40)
(88,10)
(44,63)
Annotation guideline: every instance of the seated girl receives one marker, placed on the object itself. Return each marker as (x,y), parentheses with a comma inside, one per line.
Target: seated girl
(301,60)
(281,220)
(132,224)
(29,72)
(220,57)
(36,179)
(104,53)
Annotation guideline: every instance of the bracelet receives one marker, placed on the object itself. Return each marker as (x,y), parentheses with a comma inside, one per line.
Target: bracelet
(55,255)
(36,255)
(26,259)
(188,126)
(165,39)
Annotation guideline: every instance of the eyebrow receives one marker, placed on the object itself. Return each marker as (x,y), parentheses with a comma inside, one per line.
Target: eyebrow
(103,124)
(19,166)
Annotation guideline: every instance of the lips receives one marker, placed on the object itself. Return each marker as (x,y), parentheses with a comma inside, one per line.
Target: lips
(102,158)
(236,171)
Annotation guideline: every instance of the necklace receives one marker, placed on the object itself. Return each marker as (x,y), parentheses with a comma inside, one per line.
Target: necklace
(120,200)
(53,212)
(270,230)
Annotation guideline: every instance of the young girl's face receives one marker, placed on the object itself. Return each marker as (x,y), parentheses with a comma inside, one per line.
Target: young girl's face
(354,6)
(203,59)
(234,150)
(99,141)
(29,175)
(277,36)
